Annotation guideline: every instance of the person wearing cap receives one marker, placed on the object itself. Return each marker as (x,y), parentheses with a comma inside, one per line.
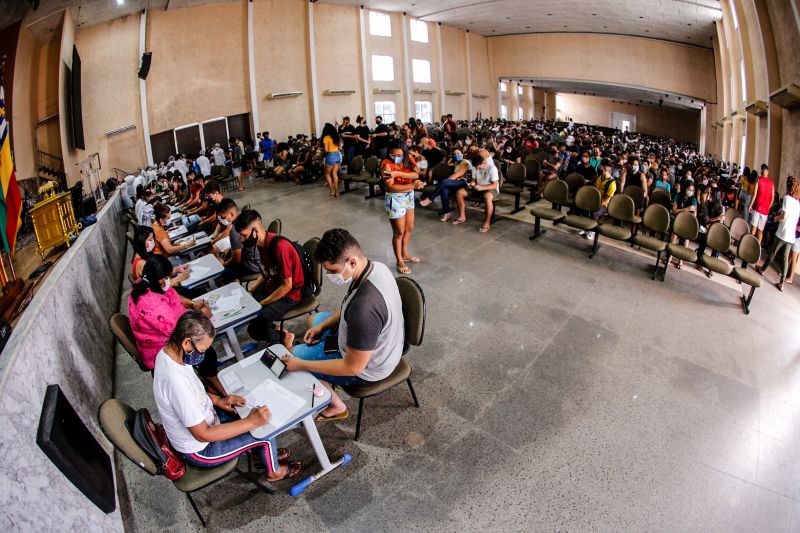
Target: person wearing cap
(203,163)
(219,155)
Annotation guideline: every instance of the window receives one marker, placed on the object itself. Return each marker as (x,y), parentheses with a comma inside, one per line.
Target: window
(744,82)
(503,86)
(742,150)
(380,24)
(419,31)
(423,111)
(503,112)
(735,18)
(382,68)
(385,110)
(520,113)
(422,70)
(519,89)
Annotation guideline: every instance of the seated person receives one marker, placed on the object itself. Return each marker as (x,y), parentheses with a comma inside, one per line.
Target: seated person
(143,245)
(164,245)
(371,330)
(709,211)
(663,181)
(485,181)
(153,309)
(607,186)
(201,426)
(280,286)
(585,169)
(237,260)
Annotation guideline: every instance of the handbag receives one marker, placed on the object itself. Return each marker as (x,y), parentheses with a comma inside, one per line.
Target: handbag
(153,440)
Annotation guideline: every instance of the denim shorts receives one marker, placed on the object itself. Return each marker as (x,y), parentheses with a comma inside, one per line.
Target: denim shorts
(397,203)
(316,352)
(333,158)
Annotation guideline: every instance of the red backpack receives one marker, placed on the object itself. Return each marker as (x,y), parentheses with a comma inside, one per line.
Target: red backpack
(153,440)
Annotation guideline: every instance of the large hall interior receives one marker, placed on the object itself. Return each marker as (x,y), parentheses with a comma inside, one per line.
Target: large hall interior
(395,265)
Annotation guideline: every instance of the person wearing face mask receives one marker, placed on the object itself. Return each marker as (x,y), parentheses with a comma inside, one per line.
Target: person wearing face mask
(362,136)
(456,157)
(164,245)
(153,309)
(369,323)
(585,168)
(143,245)
(400,175)
(202,426)
(237,260)
(485,182)
(282,280)
(380,138)
(634,174)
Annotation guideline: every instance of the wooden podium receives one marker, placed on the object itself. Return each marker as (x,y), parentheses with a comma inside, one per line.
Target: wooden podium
(53,222)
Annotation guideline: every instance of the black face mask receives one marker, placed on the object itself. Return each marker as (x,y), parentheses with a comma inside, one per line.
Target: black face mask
(252,240)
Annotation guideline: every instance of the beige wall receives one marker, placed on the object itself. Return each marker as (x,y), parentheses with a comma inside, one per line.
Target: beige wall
(660,121)
(70,156)
(387,46)
(481,76)
(670,67)
(23,127)
(455,71)
(111,52)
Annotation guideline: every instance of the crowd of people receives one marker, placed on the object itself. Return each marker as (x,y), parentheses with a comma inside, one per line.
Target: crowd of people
(174,333)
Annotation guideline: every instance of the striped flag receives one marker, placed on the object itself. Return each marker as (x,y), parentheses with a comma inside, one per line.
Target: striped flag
(10,201)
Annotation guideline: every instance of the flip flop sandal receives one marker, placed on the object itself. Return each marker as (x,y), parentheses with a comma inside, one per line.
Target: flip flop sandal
(283,454)
(341,416)
(459,221)
(445,218)
(779,286)
(403,269)
(294,469)
(483,229)
(413,259)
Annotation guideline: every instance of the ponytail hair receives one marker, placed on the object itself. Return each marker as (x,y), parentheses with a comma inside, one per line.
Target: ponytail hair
(155,269)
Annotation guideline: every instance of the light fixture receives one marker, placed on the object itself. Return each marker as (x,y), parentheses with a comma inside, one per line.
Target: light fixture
(120,2)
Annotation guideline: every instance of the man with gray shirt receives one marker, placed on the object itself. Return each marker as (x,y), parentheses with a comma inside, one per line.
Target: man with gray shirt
(370,326)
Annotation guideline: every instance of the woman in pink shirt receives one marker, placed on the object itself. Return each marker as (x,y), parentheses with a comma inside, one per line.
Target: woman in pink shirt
(154,308)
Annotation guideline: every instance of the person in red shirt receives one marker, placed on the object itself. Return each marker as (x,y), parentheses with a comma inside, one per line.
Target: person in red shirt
(763,197)
(280,286)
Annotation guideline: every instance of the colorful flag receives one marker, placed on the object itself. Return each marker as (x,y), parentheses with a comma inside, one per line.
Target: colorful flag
(10,200)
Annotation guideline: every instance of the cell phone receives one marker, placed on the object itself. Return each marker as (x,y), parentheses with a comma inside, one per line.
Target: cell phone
(274,363)
(331,344)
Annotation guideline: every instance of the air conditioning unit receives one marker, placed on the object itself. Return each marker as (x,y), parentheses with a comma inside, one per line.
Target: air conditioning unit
(454,93)
(336,92)
(714,125)
(424,91)
(385,91)
(120,130)
(275,96)
(476,95)
(738,115)
(758,108)
(787,97)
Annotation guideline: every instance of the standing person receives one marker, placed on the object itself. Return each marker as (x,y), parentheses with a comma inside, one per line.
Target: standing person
(219,155)
(348,134)
(265,147)
(763,197)
(785,236)
(748,185)
(204,164)
(362,137)
(236,155)
(380,138)
(333,158)
(401,178)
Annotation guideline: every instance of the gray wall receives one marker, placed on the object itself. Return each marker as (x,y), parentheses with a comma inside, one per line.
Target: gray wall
(62,338)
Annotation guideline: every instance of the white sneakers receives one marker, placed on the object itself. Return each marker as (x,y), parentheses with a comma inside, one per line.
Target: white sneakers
(590,235)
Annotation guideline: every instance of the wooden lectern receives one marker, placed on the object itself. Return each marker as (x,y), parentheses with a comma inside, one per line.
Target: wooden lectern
(54,222)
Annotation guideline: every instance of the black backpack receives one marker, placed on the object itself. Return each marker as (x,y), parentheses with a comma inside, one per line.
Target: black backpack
(309,286)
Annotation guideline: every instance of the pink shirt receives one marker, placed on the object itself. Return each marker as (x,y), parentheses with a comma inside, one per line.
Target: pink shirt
(153,319)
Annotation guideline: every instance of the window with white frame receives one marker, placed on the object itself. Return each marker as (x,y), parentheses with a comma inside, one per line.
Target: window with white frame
(503,86)
(421,69)
(503,112)
(385,110)
(380,24)
(382,68)
(520,114)
(519,89)
(423,111)
(419,31)
(744,82)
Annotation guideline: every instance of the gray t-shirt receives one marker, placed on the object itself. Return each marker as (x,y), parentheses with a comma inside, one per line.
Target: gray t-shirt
(250,259)
(372,320)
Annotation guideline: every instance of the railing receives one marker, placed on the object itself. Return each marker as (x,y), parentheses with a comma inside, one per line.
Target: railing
(118,172)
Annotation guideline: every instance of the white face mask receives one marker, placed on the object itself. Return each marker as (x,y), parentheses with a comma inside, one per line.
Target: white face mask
(165,286)
(225,222)
(338,278)
(150,246)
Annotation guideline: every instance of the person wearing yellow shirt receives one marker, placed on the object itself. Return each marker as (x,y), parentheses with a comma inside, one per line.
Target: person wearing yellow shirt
(607,186)
(333,157)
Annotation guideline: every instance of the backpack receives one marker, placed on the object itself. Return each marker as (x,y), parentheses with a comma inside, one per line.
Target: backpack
(309,286)
(236,153)
(153,440)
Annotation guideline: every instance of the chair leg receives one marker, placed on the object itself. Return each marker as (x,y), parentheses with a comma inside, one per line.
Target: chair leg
(537,224)
(413,394)
(746,301)
(596,244)
(655,269)
(196,510)
(517,207)
(254,481)
(666,266)
(358,420)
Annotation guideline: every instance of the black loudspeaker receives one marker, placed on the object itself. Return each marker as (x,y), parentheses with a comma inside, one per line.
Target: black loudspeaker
(144,69)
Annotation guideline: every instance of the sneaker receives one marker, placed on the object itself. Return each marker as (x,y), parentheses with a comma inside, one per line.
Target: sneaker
(425,203)
(581,233)
(590,235)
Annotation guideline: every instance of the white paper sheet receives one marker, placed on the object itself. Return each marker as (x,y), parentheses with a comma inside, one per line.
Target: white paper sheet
(197,272)
(228,303)
(281,402)
(230,382)
(223,244)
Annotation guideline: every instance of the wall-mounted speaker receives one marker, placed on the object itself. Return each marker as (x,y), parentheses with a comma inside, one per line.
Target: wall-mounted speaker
(144,68)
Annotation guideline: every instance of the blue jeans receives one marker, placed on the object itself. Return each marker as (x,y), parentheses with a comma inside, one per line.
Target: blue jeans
(316,352)
(217,453)
(349,152)
(445,189)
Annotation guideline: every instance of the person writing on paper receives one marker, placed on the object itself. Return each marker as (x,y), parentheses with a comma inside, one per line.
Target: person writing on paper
(154,308)
(239,261)
(203,427)
(370,323)
(164,245)
(144,243)
(280,287)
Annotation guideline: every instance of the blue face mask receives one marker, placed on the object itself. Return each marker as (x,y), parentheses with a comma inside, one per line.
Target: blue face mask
(195,357)
(459,157)
(635,168)
(397,159)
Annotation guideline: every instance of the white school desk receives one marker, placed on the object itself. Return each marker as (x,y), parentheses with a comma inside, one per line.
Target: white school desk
(214,269)
(226,322)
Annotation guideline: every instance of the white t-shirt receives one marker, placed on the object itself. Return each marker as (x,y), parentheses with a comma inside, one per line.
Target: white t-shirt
(204,164)
(219,156)
(485,176)
(791,213)
(182,403)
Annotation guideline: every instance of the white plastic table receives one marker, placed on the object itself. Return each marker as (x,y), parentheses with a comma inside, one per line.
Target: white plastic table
(210,267)
(174,217)
(226,322)
(202,241)
(251,373)
(176,233)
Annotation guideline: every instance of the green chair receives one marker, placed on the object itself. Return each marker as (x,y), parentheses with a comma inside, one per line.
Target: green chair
(637,195)
(373,179)
(439,173)
(660,196)
(622,212)
(730,215)
(575,181)
(718,239)
(656,219)
(515,183)
(414,312)
(749,251)
(739,228)
(116,421)
(587,199)
(354,172)
(308,304)
(532,169)
(275,226)
(120,327)
(685,227)
(557,193)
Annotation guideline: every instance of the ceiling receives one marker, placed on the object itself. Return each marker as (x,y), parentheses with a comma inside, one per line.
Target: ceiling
(684,21)
(621,93)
